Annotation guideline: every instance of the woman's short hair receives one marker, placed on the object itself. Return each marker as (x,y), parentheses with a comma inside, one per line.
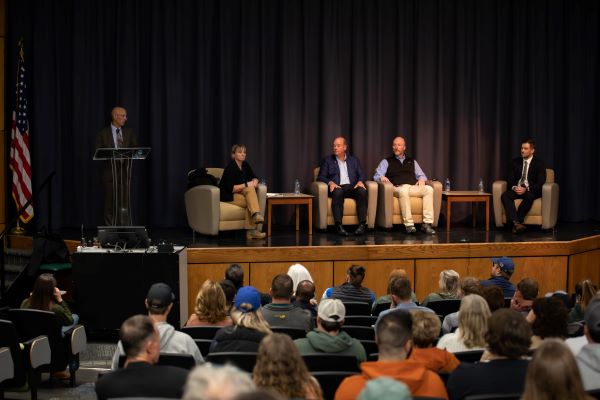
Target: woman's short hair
(553,373)
(211,304)
(237,147)
(508,334)
(473,320)
(551,318)
(449,280)
(425,328)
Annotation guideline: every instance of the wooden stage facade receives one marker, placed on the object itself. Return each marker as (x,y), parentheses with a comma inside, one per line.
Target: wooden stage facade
(556,265)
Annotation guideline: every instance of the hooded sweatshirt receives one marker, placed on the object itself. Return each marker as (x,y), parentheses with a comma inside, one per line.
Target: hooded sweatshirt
(318,341)
(421,381)
(588,361)
(171,341)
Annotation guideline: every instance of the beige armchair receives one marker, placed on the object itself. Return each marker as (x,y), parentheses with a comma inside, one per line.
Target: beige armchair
(388,205)
(208,215)
(322,215)
(544,211)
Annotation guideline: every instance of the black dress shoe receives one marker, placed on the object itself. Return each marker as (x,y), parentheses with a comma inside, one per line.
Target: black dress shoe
(360,230)
(426,228)
(519,228)
(341,231)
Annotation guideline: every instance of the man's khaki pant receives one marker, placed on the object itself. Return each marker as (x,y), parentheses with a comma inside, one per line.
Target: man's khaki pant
(405,192)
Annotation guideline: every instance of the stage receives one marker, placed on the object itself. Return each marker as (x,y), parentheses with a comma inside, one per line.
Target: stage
(557,259)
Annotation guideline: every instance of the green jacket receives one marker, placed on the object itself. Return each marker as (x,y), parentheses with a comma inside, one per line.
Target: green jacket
(60,309)
(321,342)
(438,297)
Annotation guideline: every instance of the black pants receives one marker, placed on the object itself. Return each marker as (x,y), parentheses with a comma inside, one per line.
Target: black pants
(508,201)
(337,202)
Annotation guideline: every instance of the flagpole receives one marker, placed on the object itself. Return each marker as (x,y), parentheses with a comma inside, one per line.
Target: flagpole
(17,230)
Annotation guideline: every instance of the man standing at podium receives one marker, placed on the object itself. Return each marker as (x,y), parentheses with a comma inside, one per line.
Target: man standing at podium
(116,136)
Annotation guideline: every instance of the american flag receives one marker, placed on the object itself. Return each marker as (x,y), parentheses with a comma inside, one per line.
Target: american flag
(20,162)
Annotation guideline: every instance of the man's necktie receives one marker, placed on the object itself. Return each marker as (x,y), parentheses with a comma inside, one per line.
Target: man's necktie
(524,174)
(119,138)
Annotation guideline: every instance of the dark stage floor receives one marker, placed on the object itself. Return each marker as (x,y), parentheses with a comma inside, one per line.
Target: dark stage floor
(286,236)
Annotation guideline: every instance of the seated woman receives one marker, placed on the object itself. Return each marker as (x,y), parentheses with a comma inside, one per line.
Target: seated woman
(472,324)
(426,330)
(47,297)
(584,291)
(211,307)
(352,289)
(238,186)
(448,283)
(548,319)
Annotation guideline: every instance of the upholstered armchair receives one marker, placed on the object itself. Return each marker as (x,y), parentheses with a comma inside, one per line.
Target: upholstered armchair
(322,215)
(206,214)
(544,210)
(388,205)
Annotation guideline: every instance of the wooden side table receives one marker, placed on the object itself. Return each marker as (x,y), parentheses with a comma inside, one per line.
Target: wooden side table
(290,199)
(467,196)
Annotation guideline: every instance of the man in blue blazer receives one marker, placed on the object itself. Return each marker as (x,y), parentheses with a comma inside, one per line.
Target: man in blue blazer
(345,178)
(526,176)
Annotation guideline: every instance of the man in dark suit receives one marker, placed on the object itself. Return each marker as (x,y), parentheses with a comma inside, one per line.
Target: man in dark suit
(527,175)
(345,178)
(116,136)
(140,377)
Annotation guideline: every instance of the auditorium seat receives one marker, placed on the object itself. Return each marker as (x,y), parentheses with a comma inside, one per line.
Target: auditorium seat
(201,332)
(370,346)
(469,356)
(388,205)
(444,307)
(243,360)
(357,308)
(360,320)
(495,396)
(380,307)
(359,332)
(330,362)
(330,380)
(208,215)
(294,333)
(322,214)
(544,211)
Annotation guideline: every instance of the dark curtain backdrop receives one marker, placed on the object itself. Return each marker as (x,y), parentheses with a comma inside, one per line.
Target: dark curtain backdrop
(462,81)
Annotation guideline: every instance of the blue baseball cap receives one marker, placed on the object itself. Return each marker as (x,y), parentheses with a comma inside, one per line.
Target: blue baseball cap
(505,264)
(247,299)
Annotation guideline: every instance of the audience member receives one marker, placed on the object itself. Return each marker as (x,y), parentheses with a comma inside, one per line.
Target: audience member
(494,297)
(211,307)
(216,382)
(235,274)
(249,326)
(387,298)
(526,293)
(140,377)
(588,358)
(426,330)
(261,394)
(352,289)
(305,297)
(281,312)
(502,270)
(328,337)
(472,325)
(279,367)
(448,284)
(503,372)
(229,290)
(584,291)
(401,298)
(298,273)
(553,374)
(548,318)
(46,296)
(468,285)
(159,302)
(393,335)
(385,388)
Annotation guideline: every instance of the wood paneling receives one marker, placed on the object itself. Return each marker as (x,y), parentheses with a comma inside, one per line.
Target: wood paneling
(584,266)
(262,274)
(376,272)
(198,273)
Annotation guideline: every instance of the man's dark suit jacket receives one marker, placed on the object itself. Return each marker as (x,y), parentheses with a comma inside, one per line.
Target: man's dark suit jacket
(536,174)
(330,170)
(140,379)
(104,139)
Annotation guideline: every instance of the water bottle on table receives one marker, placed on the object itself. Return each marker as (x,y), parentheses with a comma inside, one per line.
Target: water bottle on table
(480,186)
(447,185)
(296,186)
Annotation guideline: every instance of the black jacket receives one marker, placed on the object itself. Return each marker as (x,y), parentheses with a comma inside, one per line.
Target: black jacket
(236,338)
(536,174)
(232,176)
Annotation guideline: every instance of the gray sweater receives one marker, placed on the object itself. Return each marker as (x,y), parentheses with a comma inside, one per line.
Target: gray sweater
(588,361)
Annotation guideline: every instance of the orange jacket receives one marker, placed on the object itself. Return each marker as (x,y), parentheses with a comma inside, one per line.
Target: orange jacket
(437,360)
(420,380)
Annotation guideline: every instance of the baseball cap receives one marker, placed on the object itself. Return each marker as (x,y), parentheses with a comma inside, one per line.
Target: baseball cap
(331,310)
(247,299)
(506,264)
(592,316)
(159,296)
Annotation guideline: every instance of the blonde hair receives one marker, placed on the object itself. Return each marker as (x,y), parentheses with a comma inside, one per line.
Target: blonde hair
(425,329)
(280,367)
(473,320)
(237,147)
(251,320)
(449,281)
(211,304)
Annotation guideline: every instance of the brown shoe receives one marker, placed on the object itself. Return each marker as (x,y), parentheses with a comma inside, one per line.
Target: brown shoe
(257,218)
(254,234)
(62,375)
(518,228)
